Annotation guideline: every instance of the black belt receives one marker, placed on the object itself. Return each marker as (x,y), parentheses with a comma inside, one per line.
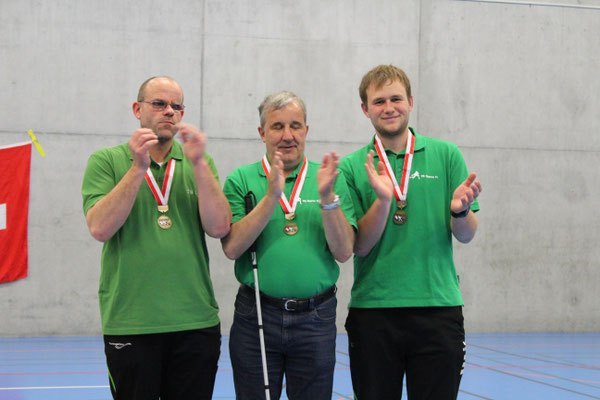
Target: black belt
(291,304)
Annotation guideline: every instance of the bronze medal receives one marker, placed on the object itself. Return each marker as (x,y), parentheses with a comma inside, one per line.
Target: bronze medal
(400,217)
(164,222)
(290,228)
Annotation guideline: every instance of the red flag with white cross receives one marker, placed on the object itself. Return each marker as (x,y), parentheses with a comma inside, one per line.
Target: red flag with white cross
(15,163)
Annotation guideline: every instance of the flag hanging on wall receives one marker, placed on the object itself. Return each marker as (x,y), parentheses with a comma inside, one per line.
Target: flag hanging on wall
(15,162)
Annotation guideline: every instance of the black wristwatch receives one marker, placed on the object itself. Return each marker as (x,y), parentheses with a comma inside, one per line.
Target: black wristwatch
(461,214)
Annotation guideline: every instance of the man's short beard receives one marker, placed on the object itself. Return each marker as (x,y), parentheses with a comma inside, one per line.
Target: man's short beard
(163,139)
(391,134)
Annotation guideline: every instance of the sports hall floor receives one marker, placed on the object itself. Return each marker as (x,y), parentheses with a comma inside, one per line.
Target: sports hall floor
(499,366)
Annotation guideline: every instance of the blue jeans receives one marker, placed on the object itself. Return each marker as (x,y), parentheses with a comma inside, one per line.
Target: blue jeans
(299,344)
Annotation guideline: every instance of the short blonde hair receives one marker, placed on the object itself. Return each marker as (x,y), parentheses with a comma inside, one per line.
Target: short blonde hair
(379,76)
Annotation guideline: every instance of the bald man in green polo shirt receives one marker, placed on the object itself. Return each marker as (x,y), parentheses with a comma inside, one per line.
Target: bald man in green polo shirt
(150,201)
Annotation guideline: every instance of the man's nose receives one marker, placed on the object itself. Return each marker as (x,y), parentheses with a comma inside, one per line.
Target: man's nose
(389,107)
(287,133)
(169,110)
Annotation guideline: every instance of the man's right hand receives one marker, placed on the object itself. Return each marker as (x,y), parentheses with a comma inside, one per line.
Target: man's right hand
(276,179)
(245,231)
(373,223)
(107,216)
(139,144)
(380,182)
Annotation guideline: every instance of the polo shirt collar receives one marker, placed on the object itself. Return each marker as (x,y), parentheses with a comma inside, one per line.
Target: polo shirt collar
(176,151)
(419,144)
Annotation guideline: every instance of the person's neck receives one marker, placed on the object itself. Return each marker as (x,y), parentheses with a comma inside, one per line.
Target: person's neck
(287,171)
(395,143)
(159,151)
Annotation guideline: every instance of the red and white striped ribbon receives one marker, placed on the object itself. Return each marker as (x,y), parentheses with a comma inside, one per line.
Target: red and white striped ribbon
(288,207)
(162,197)
(400,191)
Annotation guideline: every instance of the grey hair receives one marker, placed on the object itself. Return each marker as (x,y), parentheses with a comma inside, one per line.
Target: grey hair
(277,101)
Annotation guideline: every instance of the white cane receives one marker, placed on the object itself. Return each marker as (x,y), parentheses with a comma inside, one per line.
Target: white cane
(249,200)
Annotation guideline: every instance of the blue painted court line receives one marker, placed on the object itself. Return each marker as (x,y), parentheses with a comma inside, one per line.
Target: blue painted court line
(498,366)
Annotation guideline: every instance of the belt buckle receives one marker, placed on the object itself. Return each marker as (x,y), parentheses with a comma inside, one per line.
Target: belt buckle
(285,305)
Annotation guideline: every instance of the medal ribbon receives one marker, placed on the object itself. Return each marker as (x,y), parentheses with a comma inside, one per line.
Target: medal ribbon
(401,191)
(283,201)
(162,197)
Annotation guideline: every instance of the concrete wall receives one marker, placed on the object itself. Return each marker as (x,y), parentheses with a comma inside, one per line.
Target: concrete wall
(515,86)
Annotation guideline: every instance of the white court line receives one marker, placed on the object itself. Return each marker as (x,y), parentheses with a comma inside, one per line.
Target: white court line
(54,387)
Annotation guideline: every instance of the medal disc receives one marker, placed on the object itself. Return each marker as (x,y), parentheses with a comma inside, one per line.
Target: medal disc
(399,217)
(164,222)
(290,229)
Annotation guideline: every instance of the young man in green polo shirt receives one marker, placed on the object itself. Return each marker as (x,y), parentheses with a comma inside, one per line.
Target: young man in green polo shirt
(150,201)
(411,194)
(302,223)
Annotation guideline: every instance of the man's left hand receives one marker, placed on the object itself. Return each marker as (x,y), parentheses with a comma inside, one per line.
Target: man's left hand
(194,142)
(465,194)
(327,175)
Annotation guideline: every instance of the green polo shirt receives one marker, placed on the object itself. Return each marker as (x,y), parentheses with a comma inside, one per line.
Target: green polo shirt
(297,266)
(152,280)
(412,264)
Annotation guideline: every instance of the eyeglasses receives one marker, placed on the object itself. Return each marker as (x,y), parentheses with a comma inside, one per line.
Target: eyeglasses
(160,105)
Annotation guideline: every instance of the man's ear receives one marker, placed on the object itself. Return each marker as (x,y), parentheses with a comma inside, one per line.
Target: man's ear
(364,109)
(136,109)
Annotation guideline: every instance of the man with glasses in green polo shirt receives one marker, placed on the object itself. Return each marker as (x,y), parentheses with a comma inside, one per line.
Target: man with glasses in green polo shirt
(411,194)
(302,223)
(151,201)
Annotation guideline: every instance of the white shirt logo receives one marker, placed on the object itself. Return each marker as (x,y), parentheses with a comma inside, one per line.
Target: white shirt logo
(417,175)
(306,201)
